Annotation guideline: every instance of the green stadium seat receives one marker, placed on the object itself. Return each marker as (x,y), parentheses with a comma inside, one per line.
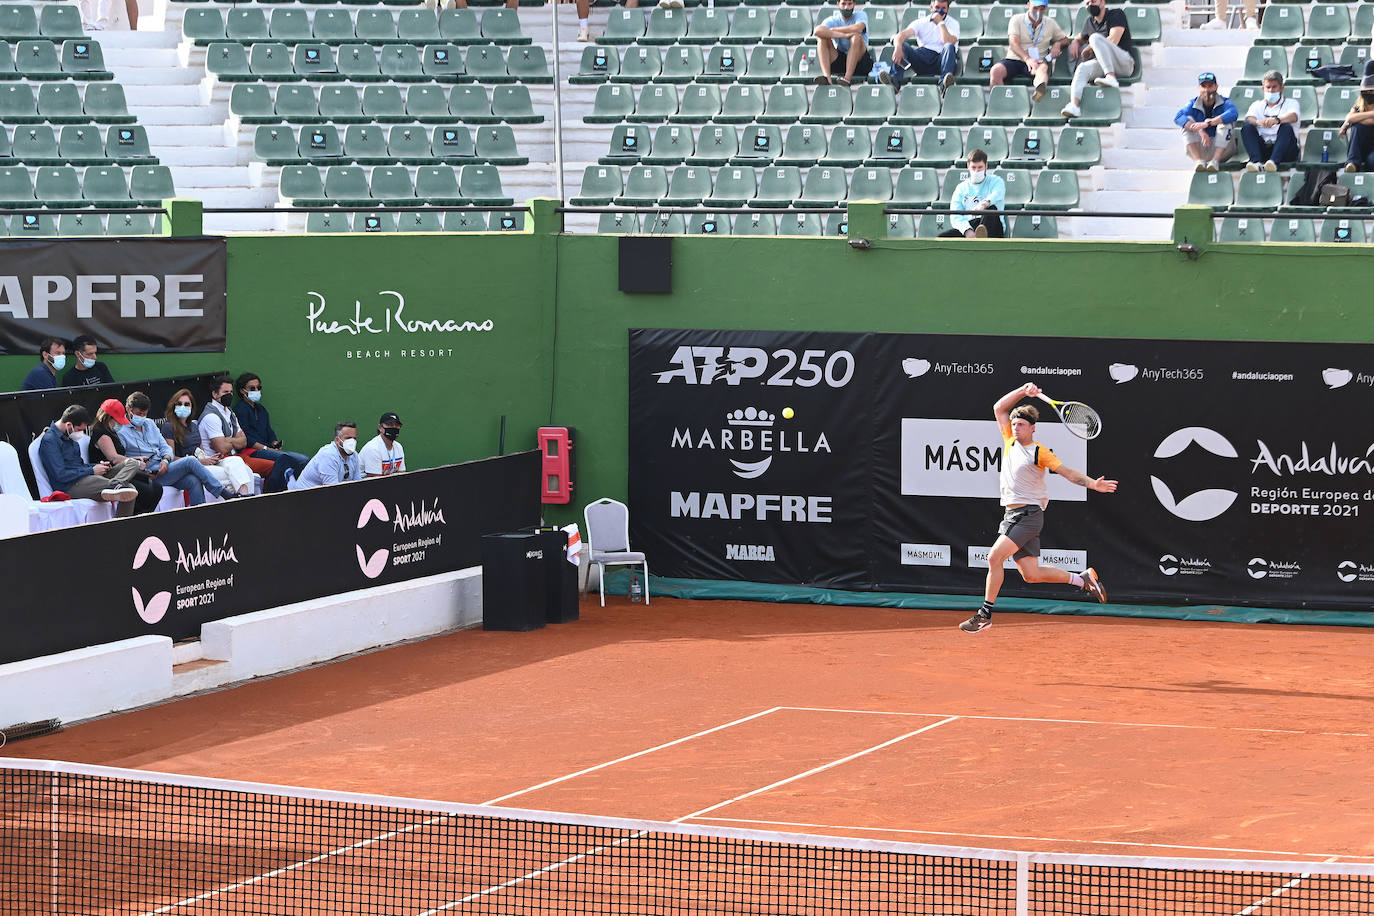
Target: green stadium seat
(849,146)
(743,104)
(250,103)
(391,185)
(427,103)
(82,144)
(60,21)
(62,103)
(246,24)
(791,25)
(374,222)
(805,144)
(598,64)
(655,103)
(460,27)
(1020,188)
(708,224)
(874,103)
(618,224)
(600,185)
(716,144)
(767,65)
(999,17)
(829,105)
(837,224)
(917,104)
(1259,60)
(1290,229)
(129,224)
(612,104)
(401,63)
(980,60)
(804,65)
(1282,25)
(681,64)
(1363,24)
(450,143)
(1078,148)
(1327,23)
(375,26)
(1046,111)
(1212,189)
(35,144)
(801,224)
(1240,229)
(333,26)
(34,224)
(970,19)
(1361,184)
(37,59)
(1144,23)
(502,26)
(83,59)
(487,64)
(1030,147)
(365,144)
(275,144)
(1242,96)
(779,186)
(734,187)
(933,224)
(1336,104)
(288,25)
(894,146)
(482,185)
(495,143)
(750,26)
(759,144)
(1101,106)
(664,224)
(385,103)
(528,64)
(270,62)
(80,224)
(346,185)
(1307,58)
(1316,140)
(707,26)
(58,186)
(1057,189)
(629,143)
(1342,231)
(341,104)
(314,60)
(1307,99)
(472,105)
(724,64)
(419,221)
(358,63)
(302,186)
(672,144)
(320,144)
(419,26)
(438,185)
(106,186)
(940,146)
(228,60)
(16,187)
(1007,105)
(700,103)
(151,184)
(623,26)
(666,26)
(883,23)
(296,104)
(991,139)
(754,224)
(7,72)
(688,186)
(871,184)
(644,185)
(18,21)
(1035,227)
(951,182)
(901,226)
(1259,191)
(127,144)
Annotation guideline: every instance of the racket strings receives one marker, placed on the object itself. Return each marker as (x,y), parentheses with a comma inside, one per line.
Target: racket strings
(1083,419)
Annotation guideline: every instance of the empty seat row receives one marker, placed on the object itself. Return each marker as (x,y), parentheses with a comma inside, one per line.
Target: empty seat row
(1291,229)
(1265,191)
(418,221)
(393,185)
(55,20)
(892,146)
(372,144)
(294,103)
(1327,23)
(77,223)
(291,24)
(64,103)
(698,103)
(63,186)
(41,59)
(271,61)
(76,144)
(780,187)
(1260,59)
(899,225)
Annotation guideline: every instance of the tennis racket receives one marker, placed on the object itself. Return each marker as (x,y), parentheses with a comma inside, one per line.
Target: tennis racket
(1078,418)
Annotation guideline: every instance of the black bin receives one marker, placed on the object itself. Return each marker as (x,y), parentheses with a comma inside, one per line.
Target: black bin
(561,577)
(514,581)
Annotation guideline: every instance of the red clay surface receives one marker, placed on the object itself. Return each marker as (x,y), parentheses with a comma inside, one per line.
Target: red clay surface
(1182,739)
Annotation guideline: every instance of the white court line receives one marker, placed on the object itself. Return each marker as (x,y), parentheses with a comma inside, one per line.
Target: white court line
(936,715)
(1285,888)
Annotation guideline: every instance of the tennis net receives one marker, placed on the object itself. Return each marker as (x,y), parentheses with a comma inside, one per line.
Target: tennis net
(98,840)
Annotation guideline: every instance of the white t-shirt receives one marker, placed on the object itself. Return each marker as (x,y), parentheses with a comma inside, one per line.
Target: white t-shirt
(381,458)
(927,33)
(1262,109)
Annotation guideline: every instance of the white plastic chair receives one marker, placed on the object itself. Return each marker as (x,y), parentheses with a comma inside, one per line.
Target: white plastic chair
(41,516)
(14,515)
(608,537)
(87,510)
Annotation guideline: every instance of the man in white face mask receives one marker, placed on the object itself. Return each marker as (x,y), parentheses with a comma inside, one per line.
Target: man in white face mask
(1270,133)
(981,191)
(52,359)
(335,462)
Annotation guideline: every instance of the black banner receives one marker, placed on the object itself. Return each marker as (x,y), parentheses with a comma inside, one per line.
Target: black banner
(170,572)
(131,295)
(870,461)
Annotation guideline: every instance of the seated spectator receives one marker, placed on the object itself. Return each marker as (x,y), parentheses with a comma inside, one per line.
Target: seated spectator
(1251,16)
(1359,126)
(981,190)
(143,440)
(335,462)
(106,441)
(843,35)
(184,439)
(1034,41)
(1102,50)
(220,433)
(928,46)
(256,422)
(52,357)
(1270,133)
(60,452)
(1208,123)
(383,455)
(88,370)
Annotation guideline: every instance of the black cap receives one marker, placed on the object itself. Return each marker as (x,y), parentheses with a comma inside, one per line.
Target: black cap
(389,418)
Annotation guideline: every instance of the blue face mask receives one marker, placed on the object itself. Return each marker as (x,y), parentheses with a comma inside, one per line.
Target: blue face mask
(255,396)
(1272,97)
(84,363)
(59,361)
(182,411)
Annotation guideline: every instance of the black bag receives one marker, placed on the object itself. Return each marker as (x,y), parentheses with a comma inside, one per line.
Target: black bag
(1334,73)
(1309,195)
(1334,195)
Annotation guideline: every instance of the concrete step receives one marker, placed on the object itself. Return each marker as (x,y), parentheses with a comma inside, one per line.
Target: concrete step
(1162,180)
(177,115)
(184,95)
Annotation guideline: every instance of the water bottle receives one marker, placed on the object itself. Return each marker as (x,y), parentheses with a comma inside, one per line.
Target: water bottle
(804,66)
(636,587)
(1326,152)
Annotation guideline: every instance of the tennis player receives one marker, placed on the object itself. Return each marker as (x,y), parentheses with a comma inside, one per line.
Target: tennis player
(1025,496)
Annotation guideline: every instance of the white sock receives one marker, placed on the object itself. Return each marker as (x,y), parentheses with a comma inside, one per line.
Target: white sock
(583,23)
(1075,580)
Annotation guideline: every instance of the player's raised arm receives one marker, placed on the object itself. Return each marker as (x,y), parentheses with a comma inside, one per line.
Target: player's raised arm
(1002,409)
(1097,484)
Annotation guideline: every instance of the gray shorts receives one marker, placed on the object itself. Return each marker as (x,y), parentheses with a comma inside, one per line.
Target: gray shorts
(1023,525)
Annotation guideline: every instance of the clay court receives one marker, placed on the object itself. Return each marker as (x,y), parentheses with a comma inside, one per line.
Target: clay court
(1081,735)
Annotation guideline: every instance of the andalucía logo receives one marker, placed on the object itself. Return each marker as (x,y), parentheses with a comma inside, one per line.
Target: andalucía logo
(157,606)
(199,557)
(372,566)
(402,521)
(1203,505)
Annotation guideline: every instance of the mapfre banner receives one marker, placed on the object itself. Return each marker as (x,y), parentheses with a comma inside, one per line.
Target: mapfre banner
(132,295)
(870,461)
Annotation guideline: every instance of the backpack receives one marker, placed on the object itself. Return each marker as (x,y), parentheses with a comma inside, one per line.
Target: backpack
(1309,195)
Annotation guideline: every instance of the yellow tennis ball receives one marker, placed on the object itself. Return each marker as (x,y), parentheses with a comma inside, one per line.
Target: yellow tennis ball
(787,413)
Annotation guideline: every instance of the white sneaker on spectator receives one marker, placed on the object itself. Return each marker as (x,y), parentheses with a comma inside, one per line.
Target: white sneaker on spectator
(1200,167)
(118,493)
(1271,166)
(1214,24)
(670,4)
(1212,166)
(584,34)
(1071,110)
(1106,79)
(1252,24)
(1252,167)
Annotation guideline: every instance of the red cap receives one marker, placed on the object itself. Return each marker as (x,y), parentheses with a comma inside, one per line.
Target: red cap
(115,410)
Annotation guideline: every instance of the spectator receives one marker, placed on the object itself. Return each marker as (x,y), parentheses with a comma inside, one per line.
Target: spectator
(60,452)
(1270,133)
(934,50)
(256,422)
(383,455)
(1108,38)
(981,190)
(843,34)
(1208,123)
(52,357)
(142,439)
(184,440)
(219,428)
(335,462)
(1359,125)
(88,370)
(107,442)
(1251,16)
(1034,40)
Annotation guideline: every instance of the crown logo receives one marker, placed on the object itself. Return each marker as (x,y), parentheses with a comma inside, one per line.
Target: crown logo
(750,416)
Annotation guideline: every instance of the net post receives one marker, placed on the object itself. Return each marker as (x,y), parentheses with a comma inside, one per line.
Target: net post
(1022,884)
